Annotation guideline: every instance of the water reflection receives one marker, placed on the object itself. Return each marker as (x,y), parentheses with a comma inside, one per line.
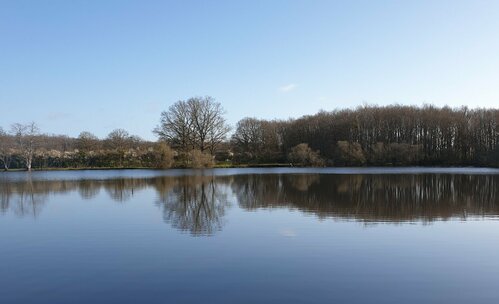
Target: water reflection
(194,203)
(198,204)
(23,198)
(393,198)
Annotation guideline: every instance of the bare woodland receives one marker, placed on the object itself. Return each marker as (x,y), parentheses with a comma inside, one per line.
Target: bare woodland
(195,133)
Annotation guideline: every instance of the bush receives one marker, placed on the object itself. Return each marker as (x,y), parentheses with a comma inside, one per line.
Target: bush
(350,153)
(303,155)
(198,159)
(164,156)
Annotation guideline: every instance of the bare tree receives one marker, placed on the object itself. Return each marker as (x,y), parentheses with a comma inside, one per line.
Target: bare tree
(120,140)
(6,149)
(259,140)
(87,141)
(209,125)
(197,123)
(26,139)
(176,126)
(248,138)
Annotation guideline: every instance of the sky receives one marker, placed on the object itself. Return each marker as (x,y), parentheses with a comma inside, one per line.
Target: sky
(95,66)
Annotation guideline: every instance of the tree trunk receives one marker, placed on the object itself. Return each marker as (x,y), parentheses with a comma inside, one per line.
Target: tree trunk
(28,164)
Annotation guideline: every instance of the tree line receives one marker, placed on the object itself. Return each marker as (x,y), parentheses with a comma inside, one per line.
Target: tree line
(24,146)
(373,135)
(195,133)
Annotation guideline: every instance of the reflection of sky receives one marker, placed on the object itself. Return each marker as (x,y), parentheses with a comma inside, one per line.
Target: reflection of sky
(107,174)
(122,251)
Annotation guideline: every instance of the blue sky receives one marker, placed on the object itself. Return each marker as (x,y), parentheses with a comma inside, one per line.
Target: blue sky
(100,65)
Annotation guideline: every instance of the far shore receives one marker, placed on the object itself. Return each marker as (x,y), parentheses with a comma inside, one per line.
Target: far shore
(231,166)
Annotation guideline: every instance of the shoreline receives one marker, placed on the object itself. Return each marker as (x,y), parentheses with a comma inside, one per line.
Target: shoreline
(268,166)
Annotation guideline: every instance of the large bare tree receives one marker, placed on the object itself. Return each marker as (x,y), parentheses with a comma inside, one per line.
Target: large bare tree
(176,126)
(210,126)
(26,139)
(197,123)
(257,140)
(248,137)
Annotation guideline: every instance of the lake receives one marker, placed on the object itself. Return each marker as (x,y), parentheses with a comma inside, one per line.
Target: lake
(284,235)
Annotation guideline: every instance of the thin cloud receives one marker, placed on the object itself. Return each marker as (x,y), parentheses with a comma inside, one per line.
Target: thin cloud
(287,88)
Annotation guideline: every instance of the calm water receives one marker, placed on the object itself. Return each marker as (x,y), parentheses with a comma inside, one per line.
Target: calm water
(406,235)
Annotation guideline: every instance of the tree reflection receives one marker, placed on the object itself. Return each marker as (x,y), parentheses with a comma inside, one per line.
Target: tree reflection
(23,198)
(119,190)
(373,197)
(194,203)
(88,189)
(198,204)
(190,203)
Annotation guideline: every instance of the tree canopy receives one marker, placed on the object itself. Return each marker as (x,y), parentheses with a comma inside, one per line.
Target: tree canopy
(195,123)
